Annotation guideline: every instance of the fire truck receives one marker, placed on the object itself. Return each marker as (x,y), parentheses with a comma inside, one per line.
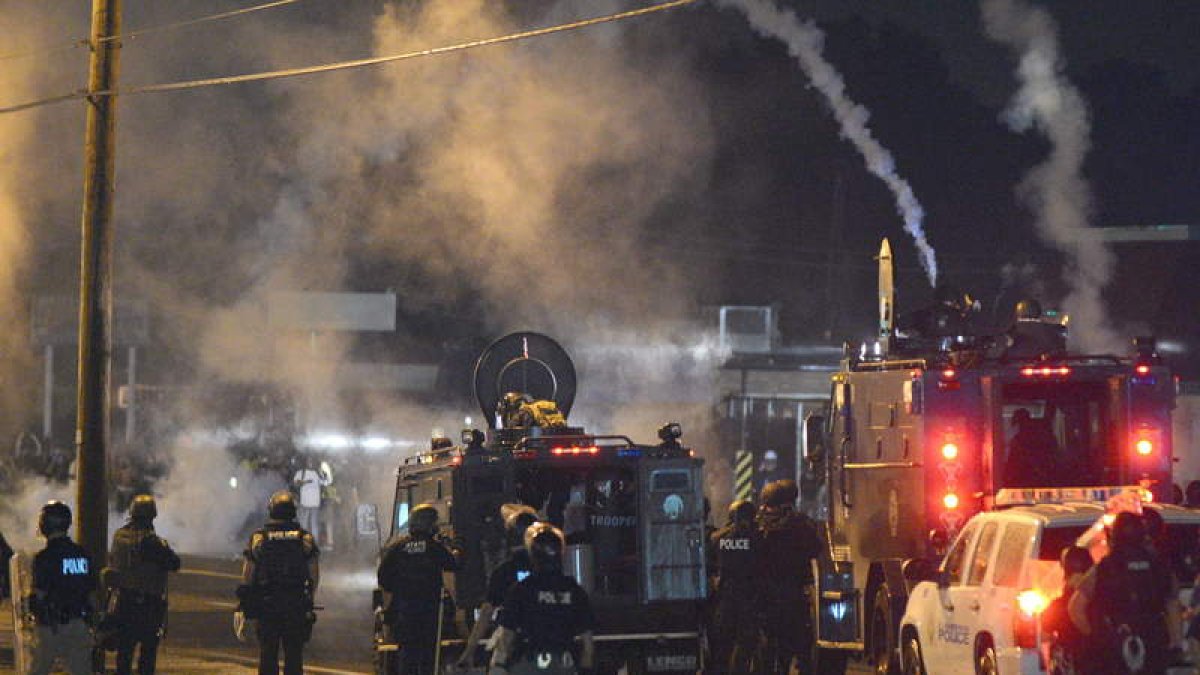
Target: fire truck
(632,513)
(925,426)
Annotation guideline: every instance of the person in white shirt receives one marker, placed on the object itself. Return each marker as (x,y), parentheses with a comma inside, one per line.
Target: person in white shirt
(308,482)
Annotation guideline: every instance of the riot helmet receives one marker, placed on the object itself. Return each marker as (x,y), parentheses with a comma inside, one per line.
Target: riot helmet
(1191,494)
(1075,560)
(741,512)
(282,506)
(780,493)
(517,518)
(423,521)
(544,542)
(1127,531)
(1028,310)
(1021,417)
(143,509)
(54,518)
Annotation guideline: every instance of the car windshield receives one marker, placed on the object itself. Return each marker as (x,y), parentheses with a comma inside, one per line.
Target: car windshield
(1055,434)
(1178,545)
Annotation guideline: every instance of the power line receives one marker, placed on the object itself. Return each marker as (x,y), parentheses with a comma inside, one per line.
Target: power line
(358,63)
(203,19)
(84,42)
(45,101)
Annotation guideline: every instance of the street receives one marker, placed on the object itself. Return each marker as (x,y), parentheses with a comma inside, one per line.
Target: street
(200,636)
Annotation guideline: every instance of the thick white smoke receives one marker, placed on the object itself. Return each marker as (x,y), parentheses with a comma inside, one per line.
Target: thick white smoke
(806,43)
(529,178)
(207,501)
(1056,190)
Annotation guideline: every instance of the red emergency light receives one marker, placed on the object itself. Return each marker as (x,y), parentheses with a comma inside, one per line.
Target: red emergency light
(948,379)
(1146,440)
(1046,371)
(1142,369)
(575,450)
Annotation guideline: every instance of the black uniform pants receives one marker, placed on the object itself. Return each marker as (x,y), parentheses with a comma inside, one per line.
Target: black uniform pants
(290,630)
(734,639)
(788,630)
(140,618)
(416,634)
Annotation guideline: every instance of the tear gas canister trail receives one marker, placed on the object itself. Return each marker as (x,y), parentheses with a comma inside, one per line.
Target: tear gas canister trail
(805,42)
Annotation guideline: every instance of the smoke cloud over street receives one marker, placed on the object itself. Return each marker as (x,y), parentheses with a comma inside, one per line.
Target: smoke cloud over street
(1056,190)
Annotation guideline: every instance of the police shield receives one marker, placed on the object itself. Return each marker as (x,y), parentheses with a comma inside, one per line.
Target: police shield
(20,569)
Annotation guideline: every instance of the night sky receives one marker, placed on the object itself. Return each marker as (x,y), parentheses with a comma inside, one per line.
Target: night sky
(746,192)
(935,87)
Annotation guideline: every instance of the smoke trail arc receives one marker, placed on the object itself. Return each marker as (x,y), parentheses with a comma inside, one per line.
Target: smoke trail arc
(805,43)
(1056,190)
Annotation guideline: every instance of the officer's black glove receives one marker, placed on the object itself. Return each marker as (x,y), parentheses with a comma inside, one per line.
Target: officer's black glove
(249,600)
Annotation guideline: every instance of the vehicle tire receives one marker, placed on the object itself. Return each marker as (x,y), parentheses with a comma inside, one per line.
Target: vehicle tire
(912,660)
(985,658)
(883,634)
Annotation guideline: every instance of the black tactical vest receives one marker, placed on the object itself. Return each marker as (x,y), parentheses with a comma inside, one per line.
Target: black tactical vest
(280,556)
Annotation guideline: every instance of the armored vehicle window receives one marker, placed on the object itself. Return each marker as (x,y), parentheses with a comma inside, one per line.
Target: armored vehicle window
(401,515)
(669,481)
(983,553)
(1056,434)
(957,557)
(1011,554)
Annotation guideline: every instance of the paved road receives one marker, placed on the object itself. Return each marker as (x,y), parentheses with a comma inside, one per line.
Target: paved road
(200,638)
(201,641)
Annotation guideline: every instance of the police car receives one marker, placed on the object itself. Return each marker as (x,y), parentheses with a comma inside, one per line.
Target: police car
(984,603)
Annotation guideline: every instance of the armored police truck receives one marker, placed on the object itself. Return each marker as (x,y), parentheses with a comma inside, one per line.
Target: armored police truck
(632,513)
(930,421)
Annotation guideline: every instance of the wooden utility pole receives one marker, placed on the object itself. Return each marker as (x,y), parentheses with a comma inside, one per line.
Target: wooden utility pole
(95,285)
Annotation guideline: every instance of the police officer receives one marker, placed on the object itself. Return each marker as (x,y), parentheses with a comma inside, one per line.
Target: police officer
(280,575)
(517,518)
(734,553)
(63,585)
(410,575)
(542,615)
(138,564)
(1067,655)
(789,545)
(1127,605)
(1030,336)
